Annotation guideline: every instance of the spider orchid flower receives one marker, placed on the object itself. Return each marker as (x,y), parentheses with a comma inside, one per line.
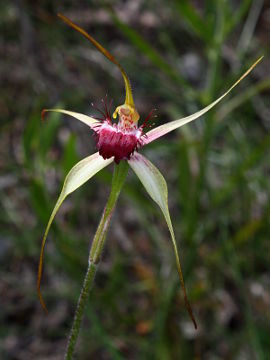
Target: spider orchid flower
(120,142)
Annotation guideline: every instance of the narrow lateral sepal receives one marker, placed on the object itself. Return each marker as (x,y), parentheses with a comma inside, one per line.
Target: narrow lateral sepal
(77,176)
(156,186)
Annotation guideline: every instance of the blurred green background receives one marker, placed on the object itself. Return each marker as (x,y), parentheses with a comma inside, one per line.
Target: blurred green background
(180,55)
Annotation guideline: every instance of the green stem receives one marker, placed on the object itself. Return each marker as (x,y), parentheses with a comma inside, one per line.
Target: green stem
(119,176)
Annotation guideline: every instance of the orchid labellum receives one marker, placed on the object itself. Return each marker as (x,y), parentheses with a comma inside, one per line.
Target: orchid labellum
(119,139)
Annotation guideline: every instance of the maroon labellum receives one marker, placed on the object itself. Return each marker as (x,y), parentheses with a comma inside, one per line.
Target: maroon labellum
(111,140)
(122,139)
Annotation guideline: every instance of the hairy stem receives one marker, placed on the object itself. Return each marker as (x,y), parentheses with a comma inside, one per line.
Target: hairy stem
(119,176)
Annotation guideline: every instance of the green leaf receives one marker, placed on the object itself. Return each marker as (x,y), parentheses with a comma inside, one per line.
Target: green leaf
(78,175)
(156,186)
(172,125)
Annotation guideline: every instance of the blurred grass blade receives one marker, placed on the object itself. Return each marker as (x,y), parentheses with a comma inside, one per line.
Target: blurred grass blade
(148,51)
(195,22)
(156,187)
(30,138)
(39,199)
(170,126)
(70,156)
(185,156)
(249,27)
(239,99)
(48,134)
(78,175)
(237,15)
(256,157)
(88,120)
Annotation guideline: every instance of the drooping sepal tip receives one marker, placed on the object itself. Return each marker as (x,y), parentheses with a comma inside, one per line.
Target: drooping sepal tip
(42,302)
(40,268)
(43,113)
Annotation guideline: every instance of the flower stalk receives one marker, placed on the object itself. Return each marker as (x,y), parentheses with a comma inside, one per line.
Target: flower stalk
(119,176)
